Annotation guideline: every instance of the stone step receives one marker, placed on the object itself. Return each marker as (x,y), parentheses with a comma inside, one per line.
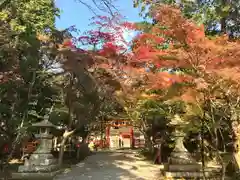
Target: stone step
(184,168)
(189,175)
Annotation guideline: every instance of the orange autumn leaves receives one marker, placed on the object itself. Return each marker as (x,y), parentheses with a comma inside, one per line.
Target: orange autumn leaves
(174,25)
(188,45)
(188,48)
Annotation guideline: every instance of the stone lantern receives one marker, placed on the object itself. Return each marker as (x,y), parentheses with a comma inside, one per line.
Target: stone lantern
(44,135)
(41,163)
(181,163)
(180,154)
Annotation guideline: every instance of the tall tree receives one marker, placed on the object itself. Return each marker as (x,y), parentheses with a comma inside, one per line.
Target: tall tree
(217,16)
(25,85)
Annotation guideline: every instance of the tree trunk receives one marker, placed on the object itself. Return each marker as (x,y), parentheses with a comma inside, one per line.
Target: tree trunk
(66,135)
(78,153)
(61,152)
(223,20)
(13,145)
(237,152)
(223,26)
(101,142)
(236,143)
(84,138)
(148,143)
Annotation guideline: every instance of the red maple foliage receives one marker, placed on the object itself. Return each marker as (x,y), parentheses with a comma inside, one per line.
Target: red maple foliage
(188,48)
(96,37)
(107,36)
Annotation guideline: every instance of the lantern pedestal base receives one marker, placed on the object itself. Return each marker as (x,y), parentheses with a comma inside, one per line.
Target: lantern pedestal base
(38,168)
(35,175)
(191,171)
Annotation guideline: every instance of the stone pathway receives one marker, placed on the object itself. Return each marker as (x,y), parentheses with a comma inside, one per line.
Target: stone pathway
(112,166)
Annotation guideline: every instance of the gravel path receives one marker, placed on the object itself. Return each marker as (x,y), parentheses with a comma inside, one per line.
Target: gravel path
(112,166)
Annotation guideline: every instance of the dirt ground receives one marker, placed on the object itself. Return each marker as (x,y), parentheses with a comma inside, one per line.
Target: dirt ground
(112,166)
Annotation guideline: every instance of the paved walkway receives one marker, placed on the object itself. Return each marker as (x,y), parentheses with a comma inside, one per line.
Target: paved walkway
(112,166)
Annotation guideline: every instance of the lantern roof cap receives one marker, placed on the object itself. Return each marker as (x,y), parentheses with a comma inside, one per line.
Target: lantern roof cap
(44,123)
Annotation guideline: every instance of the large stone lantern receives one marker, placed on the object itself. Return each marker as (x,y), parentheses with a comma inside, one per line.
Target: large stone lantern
(181,163)
(180,154)
(41,163)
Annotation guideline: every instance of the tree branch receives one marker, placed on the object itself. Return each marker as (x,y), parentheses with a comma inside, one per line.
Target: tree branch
(107,3)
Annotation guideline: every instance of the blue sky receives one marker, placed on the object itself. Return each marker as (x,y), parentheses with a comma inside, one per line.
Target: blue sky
(74,13)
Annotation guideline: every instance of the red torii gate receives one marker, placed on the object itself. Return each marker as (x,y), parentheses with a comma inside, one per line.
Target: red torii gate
(120,123)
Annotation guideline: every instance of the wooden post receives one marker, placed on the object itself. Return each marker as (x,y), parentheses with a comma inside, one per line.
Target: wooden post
(108,136)
(101,139)
(158,158)
(132,137)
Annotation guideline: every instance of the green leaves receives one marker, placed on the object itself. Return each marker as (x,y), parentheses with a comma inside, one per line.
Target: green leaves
(37,15)
(29,92)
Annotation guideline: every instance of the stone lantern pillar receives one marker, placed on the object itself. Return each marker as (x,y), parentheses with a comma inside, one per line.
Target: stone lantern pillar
(41,163)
